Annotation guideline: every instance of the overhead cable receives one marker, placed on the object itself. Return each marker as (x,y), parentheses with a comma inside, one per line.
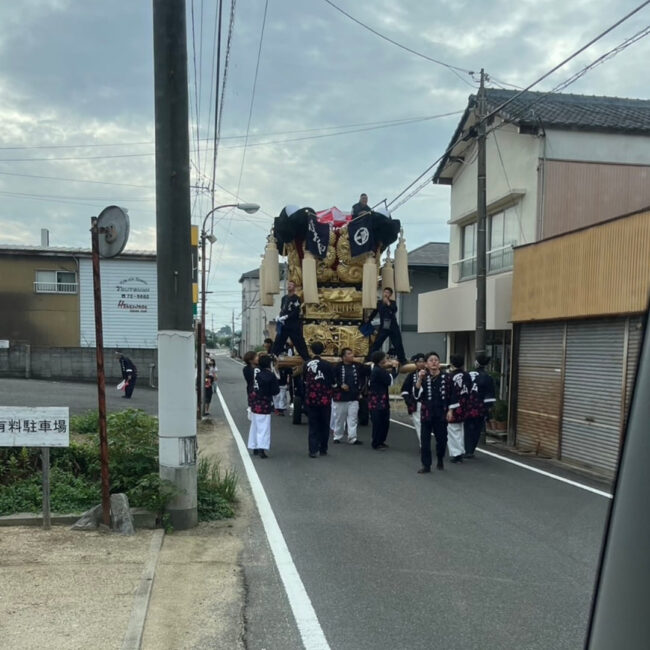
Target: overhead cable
(453,68)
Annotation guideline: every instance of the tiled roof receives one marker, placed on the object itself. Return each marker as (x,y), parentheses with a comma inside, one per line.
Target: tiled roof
(431,254)
(547,111)
(587,112)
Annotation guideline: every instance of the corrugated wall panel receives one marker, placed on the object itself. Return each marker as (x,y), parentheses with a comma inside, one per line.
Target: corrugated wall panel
(579,194)
(129,303)
(593,393)
(601,271)
(539,394)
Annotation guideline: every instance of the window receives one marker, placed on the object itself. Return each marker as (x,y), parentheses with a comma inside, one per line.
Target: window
(55,282)
(467,262)
(503,229)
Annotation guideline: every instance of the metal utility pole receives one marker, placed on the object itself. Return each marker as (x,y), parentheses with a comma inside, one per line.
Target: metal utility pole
(176,396)
(481,223)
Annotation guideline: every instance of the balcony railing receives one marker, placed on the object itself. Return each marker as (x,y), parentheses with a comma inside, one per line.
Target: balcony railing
(498,259)
(55,287)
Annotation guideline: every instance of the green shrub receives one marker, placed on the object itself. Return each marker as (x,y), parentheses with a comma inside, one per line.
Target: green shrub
(500,412)
(87,422)
(216,492)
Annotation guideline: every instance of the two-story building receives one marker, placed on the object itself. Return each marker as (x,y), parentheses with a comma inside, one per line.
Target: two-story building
(257,320)
(555,163)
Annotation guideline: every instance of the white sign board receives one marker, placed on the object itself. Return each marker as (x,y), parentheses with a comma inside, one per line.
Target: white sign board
(129,303)
(47,426)
(4,343)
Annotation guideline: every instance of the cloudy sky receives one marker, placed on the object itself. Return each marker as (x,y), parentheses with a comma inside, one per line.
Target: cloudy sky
(336,110)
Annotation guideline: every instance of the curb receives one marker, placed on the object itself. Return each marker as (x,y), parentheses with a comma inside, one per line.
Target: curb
(135,629)
(142,518)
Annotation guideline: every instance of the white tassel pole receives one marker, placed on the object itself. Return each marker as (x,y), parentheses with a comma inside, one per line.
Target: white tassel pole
(272,267)
(266,298)
(402,283)
(387,274)
(369,287)
(309,281)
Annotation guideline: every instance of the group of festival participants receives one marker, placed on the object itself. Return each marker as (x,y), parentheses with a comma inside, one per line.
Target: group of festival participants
(450,406)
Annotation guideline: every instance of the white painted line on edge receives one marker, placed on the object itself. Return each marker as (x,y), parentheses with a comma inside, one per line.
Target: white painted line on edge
(607,495)
(310,630)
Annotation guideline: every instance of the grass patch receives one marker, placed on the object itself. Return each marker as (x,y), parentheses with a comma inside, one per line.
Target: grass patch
(75,475)
(216,490)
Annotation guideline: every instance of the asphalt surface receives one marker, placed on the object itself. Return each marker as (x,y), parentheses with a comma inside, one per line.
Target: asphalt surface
(79,397)
(481,555)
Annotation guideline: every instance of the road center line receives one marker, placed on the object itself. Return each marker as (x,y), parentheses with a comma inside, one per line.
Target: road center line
(310,630)
(607,495)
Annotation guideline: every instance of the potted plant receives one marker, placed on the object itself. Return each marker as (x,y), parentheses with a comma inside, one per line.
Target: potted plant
(499,415)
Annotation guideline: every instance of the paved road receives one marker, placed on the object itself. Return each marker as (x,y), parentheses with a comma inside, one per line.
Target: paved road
(79,397)
(483,555)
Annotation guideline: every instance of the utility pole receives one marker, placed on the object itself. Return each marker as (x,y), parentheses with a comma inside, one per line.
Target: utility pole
(481,223)
(177,376)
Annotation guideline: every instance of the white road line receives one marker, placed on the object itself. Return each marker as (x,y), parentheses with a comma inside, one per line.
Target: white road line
(529,468)
(310,630)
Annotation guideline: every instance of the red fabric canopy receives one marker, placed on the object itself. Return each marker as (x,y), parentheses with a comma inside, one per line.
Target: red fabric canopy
(333,216)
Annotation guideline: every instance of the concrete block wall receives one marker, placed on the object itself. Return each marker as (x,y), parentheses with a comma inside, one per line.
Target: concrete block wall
(72,364)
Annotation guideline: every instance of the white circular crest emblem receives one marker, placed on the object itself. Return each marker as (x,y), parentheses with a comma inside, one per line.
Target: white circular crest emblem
(361,236)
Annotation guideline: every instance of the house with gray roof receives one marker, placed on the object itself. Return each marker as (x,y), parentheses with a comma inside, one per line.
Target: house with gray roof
(428,269)
(555,163)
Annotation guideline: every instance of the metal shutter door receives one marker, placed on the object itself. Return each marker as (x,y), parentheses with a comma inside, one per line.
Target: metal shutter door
(539,393)
(593,391)
(633,351)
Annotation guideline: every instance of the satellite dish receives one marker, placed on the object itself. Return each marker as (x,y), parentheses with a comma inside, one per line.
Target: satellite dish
(113,229)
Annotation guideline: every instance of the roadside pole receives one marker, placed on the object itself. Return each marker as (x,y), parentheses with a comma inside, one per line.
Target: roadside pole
(177,377)
(481,225)
(45,463)
(101,384)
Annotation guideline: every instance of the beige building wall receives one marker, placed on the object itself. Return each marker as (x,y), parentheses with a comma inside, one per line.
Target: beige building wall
(36,318)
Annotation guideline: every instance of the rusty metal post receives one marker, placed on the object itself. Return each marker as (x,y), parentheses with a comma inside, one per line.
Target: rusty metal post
(101,382)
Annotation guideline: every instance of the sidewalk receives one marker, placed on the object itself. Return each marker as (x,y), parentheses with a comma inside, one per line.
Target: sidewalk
(64,589)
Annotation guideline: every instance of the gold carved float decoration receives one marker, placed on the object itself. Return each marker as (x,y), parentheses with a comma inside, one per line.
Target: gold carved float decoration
(336,337)
(337,303)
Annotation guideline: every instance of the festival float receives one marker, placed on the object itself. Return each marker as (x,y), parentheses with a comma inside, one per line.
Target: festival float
(335,263)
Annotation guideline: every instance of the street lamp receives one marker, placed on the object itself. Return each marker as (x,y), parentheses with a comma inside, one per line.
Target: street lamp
(250,208)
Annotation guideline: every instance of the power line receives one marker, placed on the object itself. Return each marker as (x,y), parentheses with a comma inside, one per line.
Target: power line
(76,180)
(453,68)
(618,49)
(392,123)
(565,61)
(395,121)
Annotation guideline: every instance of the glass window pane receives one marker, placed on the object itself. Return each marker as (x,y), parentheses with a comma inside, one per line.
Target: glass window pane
(469,240)
(511,227)
(496,231)
(46,276)
(65,277)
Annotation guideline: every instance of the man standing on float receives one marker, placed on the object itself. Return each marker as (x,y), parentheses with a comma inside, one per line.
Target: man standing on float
(290,324)
(388,327)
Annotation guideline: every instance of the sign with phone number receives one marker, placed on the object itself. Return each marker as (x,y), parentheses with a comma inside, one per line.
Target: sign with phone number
(22,426)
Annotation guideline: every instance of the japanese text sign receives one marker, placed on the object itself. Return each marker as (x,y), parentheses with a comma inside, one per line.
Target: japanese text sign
(21,426)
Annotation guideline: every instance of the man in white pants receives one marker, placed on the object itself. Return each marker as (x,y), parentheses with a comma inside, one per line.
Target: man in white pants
(461,384)
(413,406)
(345,404)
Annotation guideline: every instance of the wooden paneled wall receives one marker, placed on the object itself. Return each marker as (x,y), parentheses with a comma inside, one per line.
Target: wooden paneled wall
(602,270)
(579,194)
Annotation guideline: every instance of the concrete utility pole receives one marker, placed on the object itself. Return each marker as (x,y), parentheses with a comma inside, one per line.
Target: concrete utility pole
(481,223)
(177,376)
